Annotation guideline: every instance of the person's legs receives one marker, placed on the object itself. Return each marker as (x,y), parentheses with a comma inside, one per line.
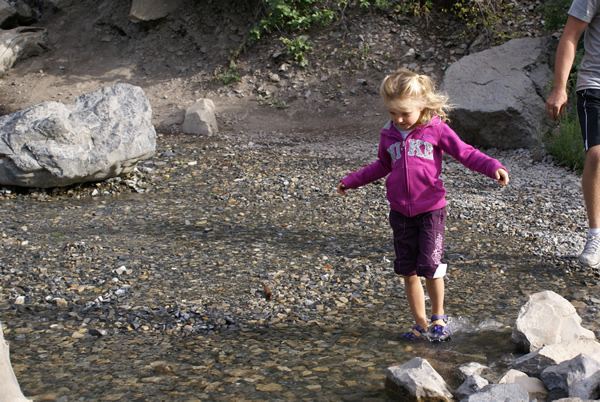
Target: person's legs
(419,244)
(431,242)
(591,195)
(439,330)
(435,290)
(588,109)
(416,300)
(406,247)
(590,182)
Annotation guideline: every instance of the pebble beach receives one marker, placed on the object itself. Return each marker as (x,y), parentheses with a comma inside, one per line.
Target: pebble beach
(230,269)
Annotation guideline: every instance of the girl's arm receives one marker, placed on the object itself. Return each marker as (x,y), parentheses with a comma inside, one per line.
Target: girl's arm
(471,157)
(370,173)
(366,175)
(565,54)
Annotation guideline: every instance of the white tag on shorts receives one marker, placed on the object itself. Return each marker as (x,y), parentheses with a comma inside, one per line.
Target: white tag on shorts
(440,272)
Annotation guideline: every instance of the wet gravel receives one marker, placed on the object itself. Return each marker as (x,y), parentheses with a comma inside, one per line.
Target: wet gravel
(229,268)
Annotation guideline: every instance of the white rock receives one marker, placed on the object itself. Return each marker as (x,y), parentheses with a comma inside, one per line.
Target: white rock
(546,319)
(534,386)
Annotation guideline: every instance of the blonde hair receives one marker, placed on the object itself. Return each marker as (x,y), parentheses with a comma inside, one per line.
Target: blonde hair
(405,89)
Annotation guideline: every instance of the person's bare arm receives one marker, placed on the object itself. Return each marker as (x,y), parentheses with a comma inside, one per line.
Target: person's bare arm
(565,55)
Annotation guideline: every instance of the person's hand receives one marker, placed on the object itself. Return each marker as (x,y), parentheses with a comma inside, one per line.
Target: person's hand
(555,104)
(341,188)
(502,177)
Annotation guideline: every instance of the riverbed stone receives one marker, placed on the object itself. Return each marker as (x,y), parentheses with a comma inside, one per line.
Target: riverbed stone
(499,392)
(548,318)
(472,385)
(578,377)
(473,368)
(200,118)
(151,10)
(534,386)
(20,43)
(419,380)
(6,12)
(535,363)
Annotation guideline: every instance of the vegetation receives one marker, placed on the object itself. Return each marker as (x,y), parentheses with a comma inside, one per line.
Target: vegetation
(294,19)
(297,48)
(228,75)
(485,17)
(555,13)
(564,144)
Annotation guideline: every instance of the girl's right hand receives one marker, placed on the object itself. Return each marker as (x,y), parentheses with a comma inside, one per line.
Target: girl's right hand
(341,188)
(502,177)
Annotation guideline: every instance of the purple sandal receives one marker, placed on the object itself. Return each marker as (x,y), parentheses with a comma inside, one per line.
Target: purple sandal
(411,336)
(437,332)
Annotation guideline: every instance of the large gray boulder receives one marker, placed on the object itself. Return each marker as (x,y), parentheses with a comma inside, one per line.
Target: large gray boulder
(15,13)
(21,43)
(6,12)
(102,134)
(499,94)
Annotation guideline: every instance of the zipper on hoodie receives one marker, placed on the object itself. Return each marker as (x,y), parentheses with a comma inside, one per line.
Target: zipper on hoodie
(404,162)
(405,165)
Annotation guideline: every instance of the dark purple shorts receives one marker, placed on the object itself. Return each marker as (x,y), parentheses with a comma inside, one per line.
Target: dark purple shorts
(418,242)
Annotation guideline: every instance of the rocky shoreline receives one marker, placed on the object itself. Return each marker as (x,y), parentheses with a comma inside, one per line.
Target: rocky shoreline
(153,286)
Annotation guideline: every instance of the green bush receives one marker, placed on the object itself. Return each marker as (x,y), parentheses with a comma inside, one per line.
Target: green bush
(290,16)
(414,7)
(565,144)
(228,76)
(491,18)
(555,13)
(297,48)
(294,18)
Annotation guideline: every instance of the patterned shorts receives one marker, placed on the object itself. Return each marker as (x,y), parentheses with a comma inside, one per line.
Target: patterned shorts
(419,243)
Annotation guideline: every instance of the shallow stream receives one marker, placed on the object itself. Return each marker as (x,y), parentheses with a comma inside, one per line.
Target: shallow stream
(160,295)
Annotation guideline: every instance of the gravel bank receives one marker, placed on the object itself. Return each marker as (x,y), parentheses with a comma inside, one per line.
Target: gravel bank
(153,287)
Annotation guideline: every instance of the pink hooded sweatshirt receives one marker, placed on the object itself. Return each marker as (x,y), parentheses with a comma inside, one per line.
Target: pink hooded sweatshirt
(414,166)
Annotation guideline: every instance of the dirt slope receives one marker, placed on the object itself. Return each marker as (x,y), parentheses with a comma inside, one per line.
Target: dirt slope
(176,61)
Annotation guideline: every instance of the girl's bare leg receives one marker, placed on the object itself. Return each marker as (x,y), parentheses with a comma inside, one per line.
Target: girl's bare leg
(416,299)
(435,290)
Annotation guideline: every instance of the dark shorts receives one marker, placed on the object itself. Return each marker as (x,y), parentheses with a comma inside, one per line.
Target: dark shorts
(418,242)
(588,110)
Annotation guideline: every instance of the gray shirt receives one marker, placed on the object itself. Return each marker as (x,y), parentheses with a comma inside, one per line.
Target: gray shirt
(588,76)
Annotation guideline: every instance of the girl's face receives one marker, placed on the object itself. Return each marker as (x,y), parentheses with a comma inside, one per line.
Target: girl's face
(405,119)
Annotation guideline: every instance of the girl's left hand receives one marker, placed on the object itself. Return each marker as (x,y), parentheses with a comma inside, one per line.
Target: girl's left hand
(502,177)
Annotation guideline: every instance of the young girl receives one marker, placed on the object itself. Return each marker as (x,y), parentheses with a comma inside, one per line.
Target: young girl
(411,148)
